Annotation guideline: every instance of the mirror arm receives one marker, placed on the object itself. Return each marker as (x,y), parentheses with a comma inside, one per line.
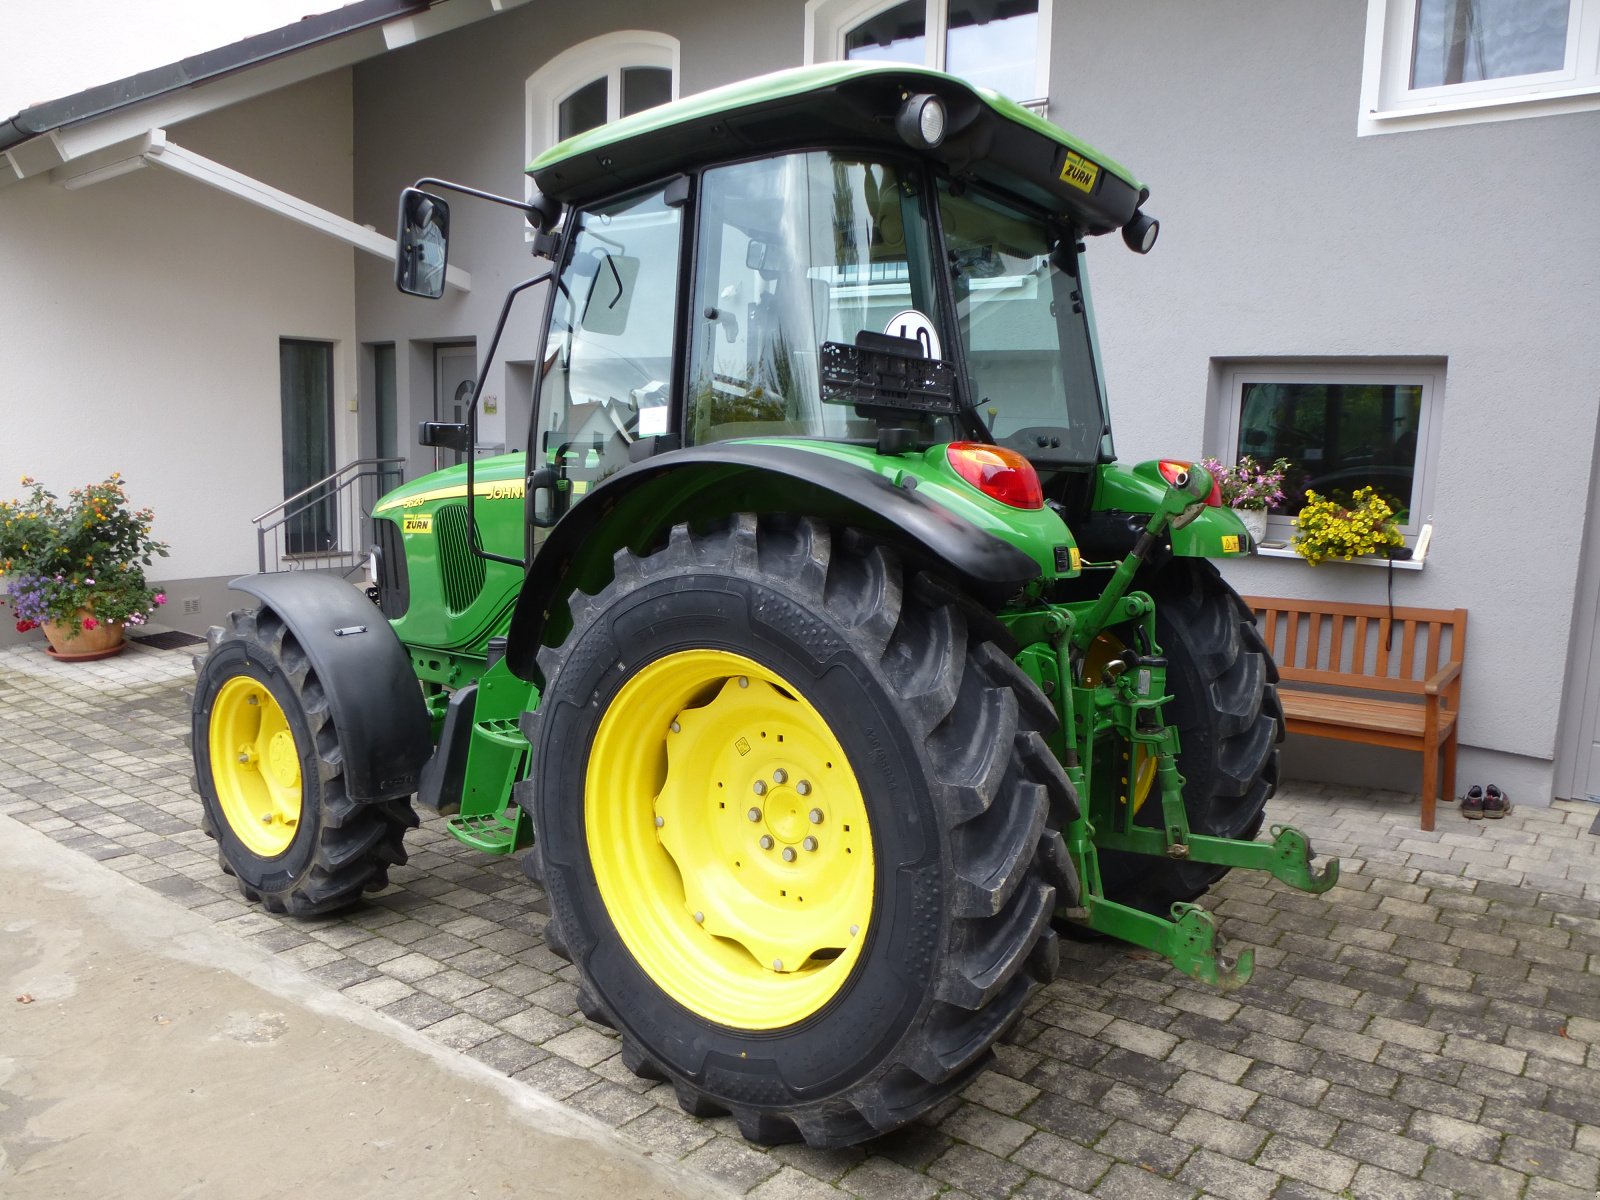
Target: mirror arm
(522,206)
(473,540)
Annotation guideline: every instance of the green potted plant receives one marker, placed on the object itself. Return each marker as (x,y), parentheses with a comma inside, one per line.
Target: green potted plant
(1250,489)
(1363,527)
(76,569)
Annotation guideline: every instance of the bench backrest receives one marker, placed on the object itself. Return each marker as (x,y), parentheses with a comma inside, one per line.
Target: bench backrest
(1324,641)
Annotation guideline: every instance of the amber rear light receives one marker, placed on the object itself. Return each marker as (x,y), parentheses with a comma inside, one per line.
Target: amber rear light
(998,473)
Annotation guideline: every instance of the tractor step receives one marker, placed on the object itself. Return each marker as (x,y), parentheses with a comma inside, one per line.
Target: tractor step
(493,833)
(502,731)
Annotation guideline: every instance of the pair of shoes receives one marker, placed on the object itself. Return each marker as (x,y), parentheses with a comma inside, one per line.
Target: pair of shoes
(1472,804)
(1496,803)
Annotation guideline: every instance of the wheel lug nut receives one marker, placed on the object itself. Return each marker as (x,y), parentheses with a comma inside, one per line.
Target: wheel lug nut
(788,854)
(780,776)
(252,701)
(761,787)
(660,821)
(777,964)
(743,682)
(267,819)
(854,929)
(676,728)
(754,814)
(244,758)
(699,918)
(803,787)
(810,843)
(816,816)
(766,841)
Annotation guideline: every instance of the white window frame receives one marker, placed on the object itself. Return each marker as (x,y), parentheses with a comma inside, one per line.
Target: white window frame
(1228,407)
(607,55)
(827,22)
(1389,104)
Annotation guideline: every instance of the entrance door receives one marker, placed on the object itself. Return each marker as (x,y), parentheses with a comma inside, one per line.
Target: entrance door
(305,385)
(454,370)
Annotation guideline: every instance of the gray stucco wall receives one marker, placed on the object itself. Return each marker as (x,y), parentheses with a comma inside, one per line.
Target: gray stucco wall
(1283,236)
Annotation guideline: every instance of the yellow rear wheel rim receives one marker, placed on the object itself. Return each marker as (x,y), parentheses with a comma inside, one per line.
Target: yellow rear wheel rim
(255,766)
(1136,766)
(729,839)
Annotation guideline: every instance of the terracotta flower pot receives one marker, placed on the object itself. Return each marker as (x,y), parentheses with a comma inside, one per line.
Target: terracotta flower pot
(70,640)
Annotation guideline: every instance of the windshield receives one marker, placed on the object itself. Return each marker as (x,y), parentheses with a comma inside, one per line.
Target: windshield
(795,251)
(1024,325)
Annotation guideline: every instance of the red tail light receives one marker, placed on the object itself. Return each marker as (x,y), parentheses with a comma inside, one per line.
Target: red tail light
(1176,472)
(998,473)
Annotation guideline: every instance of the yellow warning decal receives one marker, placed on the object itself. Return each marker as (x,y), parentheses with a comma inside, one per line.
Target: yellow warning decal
(1077,559)
(1079,172)
(1230,543)
(419,523)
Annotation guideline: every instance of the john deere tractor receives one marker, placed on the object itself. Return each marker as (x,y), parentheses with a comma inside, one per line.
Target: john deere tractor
(818,656)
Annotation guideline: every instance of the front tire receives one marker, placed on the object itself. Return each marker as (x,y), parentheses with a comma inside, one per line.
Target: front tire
(824,963)
(269,773)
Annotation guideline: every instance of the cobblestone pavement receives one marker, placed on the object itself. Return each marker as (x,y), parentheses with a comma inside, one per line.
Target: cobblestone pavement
(1429,1028)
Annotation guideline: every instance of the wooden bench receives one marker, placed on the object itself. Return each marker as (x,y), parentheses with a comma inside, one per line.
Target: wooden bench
(1371,680)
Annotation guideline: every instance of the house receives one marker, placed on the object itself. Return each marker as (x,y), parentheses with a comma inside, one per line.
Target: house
(1375,259)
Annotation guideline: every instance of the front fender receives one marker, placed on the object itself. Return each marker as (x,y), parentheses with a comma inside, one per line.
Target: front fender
(1215,533)
(636,507)
(385,735)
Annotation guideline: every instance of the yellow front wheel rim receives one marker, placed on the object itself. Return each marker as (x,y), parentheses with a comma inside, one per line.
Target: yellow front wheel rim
(1136,766)
(255,766)
(729,839)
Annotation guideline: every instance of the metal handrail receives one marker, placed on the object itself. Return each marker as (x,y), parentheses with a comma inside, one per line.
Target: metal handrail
(356,510)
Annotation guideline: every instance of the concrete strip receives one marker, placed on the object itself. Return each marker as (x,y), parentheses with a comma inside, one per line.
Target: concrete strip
(157,1056)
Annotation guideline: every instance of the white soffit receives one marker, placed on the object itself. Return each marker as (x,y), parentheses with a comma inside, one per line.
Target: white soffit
(154,149)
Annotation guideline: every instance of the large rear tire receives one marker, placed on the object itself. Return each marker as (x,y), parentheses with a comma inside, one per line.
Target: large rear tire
(1225,705)
(269,772)
(796,822)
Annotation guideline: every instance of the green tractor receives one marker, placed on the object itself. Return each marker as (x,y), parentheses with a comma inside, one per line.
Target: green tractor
(819,654)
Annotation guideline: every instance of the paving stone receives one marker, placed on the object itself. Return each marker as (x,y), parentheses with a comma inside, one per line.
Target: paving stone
(1564,1166)
(1473,1178)
(461,1031)
(1307,1163)
(1366,1145)
(828,1165)
(665,1130)
(1375,1183)
(1123,1182)
(1485,1054)
(1001,1093)
(611,1103)
(978,1172)
(582,1046)
(1062,1160)
(1130,1143)
(1201,1091)
(1235,1139)
(879,1177)
(1289,1085)
(1160,1113)
(985,1129)
(1227,1177)
(738,1163)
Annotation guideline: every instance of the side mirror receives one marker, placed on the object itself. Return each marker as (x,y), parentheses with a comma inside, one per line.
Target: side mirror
(422,244)
(541,493)
(447,435)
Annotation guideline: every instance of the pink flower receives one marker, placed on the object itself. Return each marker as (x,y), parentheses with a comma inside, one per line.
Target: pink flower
(88,582)
(161,597)
(90,623)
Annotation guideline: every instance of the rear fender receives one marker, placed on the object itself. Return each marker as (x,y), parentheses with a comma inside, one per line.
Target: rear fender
(384,731)
(637,508)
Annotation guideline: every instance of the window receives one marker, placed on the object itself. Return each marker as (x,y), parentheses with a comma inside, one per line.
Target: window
(1447,62)
(305,388)
(1340,427)
(999,44)
(608,360)
(615,75)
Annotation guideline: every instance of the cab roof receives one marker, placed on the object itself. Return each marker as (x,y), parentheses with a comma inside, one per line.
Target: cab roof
(989,139)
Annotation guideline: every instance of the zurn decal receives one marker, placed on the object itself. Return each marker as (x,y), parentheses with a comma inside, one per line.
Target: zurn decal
(1079,172)
(417,523)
